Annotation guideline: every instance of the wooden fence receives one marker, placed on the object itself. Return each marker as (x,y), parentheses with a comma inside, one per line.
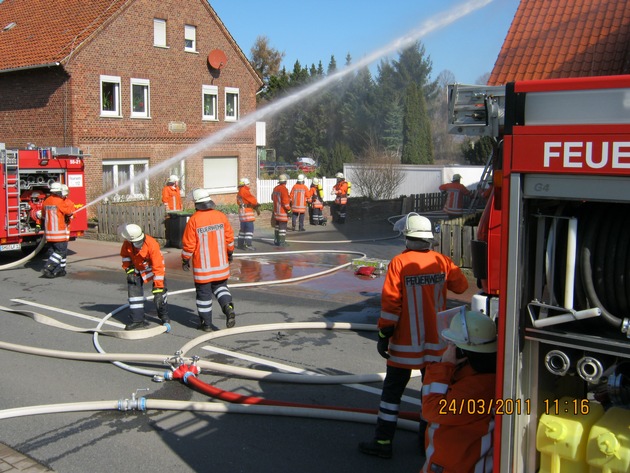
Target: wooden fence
(150,217)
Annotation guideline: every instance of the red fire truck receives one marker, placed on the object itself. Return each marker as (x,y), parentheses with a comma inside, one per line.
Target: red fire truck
(553,259)
(26,175)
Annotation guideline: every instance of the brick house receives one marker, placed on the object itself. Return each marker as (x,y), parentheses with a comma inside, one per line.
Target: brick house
(131,83)
(557,38)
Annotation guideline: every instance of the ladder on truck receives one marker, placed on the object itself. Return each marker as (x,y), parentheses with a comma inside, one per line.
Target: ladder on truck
(11,183)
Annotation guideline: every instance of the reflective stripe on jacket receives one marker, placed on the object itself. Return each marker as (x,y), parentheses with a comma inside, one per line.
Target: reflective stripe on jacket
(148,260)
(414,290)
(316,196)
(171,197)
(281,203)
(455,193)
(246,203)
(456,403)
(298,198)
(56,211)
(341,191)
(208,238)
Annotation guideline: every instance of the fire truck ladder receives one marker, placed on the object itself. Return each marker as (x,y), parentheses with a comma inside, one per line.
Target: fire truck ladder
(484,182)
(12,191)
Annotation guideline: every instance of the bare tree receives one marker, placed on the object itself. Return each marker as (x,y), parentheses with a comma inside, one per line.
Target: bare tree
(378,175)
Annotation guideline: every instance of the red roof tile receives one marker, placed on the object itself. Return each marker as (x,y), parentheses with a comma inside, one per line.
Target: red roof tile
(46,31)
(565,38)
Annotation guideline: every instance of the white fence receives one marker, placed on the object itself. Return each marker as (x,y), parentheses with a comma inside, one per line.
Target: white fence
(418,180)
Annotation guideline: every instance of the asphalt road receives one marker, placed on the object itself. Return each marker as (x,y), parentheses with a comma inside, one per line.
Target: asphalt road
(191,440)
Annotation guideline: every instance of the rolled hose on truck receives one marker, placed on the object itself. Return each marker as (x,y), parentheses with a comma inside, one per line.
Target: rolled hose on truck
(27,258)
(602,270)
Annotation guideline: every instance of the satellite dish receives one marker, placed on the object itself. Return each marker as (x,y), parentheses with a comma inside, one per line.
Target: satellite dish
(217,59)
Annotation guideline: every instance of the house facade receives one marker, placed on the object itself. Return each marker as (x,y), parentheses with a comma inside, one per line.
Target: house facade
(134,84)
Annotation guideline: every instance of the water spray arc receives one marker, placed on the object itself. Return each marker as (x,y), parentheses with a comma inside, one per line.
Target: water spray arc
(435,23)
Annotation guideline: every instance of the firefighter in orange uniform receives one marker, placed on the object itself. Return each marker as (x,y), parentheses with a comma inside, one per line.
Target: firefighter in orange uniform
(281,210)
(297,196)
(415,289)
(461,441)
(315,199)
(209,241)
(143,262)
(455,192)
(57,214)
(340,191)
(171,195)
(247,205)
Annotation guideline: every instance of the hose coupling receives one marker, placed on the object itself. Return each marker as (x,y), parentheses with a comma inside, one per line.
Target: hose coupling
(557,362)
(590,369)
(133,404)
(625,327)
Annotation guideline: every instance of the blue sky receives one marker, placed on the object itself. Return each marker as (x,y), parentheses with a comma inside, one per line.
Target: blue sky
(312,30)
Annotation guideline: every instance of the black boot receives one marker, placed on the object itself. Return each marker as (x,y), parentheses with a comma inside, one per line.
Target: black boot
(230,316)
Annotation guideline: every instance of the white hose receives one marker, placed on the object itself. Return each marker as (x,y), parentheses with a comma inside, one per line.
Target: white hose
(215,407)
(219,367)
(27,258)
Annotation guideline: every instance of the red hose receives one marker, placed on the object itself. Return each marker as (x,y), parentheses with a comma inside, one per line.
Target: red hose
(229,396)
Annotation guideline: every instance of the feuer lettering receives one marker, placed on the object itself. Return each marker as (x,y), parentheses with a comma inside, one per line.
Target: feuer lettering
(210,228)
(578,154)
(424,279)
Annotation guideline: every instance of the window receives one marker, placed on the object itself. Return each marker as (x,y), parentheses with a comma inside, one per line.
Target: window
(140,98)
(220,174)
(231,104)
(110,96)
(124,172)
(210,97)
(159,33)
(190,38)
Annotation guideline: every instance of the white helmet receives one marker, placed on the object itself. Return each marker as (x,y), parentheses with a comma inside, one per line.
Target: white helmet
(301,177)
(56,188)
(339,175)
(36,196)
(173,178)
(457,177)
(472,331)
(417,226)
(243,182)
(283,178)
(201,195)
(315,181)
(132,233)
(64,190)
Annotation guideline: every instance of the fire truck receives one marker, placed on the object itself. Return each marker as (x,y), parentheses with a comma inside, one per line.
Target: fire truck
(552,257)
(26,176)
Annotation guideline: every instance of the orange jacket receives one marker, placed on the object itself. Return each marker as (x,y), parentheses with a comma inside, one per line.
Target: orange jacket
(281,203)
(172,198)
(455,197)
(315,196)
(298,198)
(148,260)
(57,213)
(341,191)
(246,203)
(456,401)
(414,290)
(208,238)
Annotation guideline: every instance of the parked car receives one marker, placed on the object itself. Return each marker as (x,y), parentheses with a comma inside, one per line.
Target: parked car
(306,164)
(271,167)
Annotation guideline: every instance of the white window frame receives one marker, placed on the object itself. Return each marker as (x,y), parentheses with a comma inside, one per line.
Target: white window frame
(145,84)
(190,34)
(115,80)
(159,33)
(135,187)
(234,115)
(213,91)
(220,174)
